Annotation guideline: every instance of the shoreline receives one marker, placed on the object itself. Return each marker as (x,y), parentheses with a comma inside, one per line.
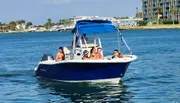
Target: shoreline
(153,27)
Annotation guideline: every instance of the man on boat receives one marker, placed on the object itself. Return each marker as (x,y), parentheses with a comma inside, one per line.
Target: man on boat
(116,53)
(60,55)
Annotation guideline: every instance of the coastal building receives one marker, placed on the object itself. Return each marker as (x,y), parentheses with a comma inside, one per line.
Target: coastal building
(116,21)
(32,29)
(41,29)
(164,9)
(62,27)
(36,29)
(21,26)
(130,22)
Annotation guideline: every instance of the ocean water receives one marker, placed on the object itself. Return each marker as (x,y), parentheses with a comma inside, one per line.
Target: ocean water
(153,78)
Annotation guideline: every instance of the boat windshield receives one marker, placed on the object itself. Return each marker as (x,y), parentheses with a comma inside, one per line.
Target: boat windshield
(88,41)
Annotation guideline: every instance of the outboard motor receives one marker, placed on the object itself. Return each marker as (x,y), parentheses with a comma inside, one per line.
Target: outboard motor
(47,57)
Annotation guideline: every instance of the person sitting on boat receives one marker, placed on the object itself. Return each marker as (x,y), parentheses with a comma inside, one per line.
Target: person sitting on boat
(98,54)
(60,55)
(93,54)
(116,54)
(120,55)
(85,55)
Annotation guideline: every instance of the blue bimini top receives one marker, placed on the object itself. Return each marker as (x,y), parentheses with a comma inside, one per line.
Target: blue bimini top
(93,27)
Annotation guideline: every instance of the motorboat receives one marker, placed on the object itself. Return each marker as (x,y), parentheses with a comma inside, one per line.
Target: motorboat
(74,69)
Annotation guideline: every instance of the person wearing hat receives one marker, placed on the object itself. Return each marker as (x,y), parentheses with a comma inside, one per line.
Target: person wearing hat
(85,55)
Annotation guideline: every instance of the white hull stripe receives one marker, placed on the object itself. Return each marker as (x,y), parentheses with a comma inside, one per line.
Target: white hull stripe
(111,80)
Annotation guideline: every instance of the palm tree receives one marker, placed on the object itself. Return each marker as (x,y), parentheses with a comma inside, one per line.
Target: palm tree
(4,27)
(178,14)
(137,12)
(12,25)
(173,11)
(22,21)
(18,22)
(28,24)
(49,20)
(159,11)
(48,24)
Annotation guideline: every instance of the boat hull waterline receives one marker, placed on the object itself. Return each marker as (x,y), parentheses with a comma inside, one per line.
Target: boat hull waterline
(83,72)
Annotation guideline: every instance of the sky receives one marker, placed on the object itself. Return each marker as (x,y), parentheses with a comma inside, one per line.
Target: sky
(38,11)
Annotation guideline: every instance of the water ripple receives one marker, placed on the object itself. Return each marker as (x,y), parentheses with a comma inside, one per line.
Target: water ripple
(153,78)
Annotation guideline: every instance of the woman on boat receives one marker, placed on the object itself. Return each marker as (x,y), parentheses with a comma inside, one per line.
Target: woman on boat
(85,53)
(60,55)
(120,55)
(98,54)
(93,54)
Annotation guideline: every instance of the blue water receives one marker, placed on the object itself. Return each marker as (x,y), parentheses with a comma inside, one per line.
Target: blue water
(153,78)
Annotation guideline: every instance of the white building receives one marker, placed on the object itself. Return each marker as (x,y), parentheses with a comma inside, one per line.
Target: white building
(21,26)
(76,18)
(127,22)
(116,22)
(41,29)
(32,29)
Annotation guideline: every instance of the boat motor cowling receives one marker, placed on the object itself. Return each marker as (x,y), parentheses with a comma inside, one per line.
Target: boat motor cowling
(47,57)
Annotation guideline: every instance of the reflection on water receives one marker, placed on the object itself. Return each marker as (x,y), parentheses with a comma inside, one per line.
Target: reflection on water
(86,92)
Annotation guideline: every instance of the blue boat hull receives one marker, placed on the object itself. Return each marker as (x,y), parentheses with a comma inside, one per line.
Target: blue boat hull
(82,71)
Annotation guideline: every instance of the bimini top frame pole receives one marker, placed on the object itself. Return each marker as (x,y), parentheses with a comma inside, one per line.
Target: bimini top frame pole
(123,40)
(74,44)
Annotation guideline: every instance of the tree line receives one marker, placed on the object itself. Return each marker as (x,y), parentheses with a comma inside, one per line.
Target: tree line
(12,25)
(49,23)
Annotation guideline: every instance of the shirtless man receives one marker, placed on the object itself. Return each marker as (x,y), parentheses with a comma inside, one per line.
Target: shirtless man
(60,55)
(116,53)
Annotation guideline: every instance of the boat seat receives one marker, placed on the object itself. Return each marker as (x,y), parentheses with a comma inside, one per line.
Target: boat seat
(66,50)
